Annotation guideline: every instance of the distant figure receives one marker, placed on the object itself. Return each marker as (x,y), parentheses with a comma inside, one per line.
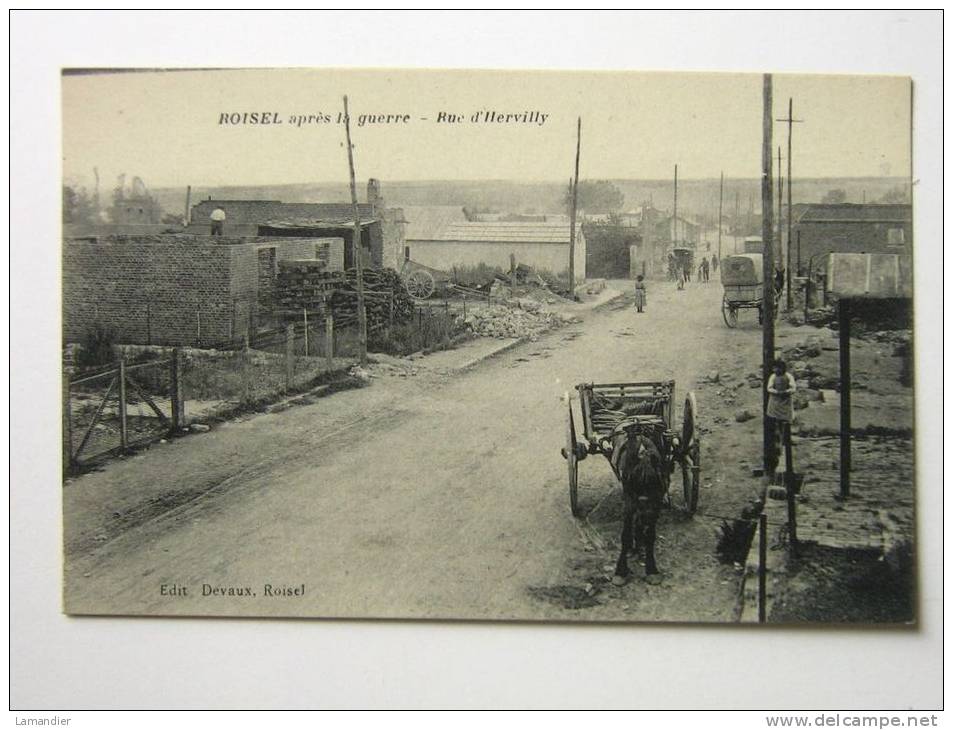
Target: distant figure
(705,270)
(687,270)
(778,281)
(672,268)
(639,293)
(218,221)
(714,262)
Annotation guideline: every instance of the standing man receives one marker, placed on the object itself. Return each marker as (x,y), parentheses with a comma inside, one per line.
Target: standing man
(705,269)
(218,221)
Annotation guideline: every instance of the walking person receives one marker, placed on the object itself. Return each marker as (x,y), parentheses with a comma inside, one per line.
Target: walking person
(639,293)
(705,269)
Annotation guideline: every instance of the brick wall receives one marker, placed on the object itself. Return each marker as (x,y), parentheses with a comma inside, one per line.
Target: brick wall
(168,290)
(819,238)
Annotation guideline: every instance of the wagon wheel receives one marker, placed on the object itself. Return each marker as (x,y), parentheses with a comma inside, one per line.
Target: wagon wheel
(729,312)
(691,454)
(419,284)
(571,452)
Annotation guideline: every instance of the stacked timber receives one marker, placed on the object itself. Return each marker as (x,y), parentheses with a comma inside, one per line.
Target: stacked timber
(385,299)
(307,285)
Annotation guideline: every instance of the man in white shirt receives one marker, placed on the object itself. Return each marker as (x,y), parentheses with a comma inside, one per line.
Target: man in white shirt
(218,221)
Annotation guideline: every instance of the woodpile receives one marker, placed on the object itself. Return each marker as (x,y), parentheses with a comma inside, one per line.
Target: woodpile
(306,285)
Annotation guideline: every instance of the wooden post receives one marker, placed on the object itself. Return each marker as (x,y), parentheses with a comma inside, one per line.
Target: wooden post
(123,432)
(67,426)
(358,248)
(390,309)
(178,410)
(464,307)
(307,350)
(513,272)
(188,205)
(789,487)
(843,317)
(572,215)
(779,253)
(148,323)
(762,568)
(790,209)
(675,211)
(289,356)
(198,327)
(329,340)
(767,236)
(721,200)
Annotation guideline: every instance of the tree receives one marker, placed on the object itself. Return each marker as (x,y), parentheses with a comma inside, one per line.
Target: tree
(77,207)
(596,196)
(837,195)
(897,194)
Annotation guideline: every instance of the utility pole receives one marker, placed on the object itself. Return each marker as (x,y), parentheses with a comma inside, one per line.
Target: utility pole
(779,244)
(572,215)
(675,212)
(791,122)
(721,199)
(767,233)
(358,252)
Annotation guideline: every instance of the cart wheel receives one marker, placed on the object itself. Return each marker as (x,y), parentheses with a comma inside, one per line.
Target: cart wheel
(729,312)
(689,417)
(571,452)
(419,284)
(691,476)
(691,458)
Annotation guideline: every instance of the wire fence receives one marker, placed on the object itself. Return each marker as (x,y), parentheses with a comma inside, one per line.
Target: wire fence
(147,393)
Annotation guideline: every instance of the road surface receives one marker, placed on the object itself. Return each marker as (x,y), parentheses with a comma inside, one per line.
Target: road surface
(429,497)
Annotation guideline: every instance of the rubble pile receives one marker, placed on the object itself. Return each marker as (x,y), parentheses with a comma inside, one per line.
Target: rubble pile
(528,320)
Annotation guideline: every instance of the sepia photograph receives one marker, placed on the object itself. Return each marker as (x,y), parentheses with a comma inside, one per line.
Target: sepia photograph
(506,345)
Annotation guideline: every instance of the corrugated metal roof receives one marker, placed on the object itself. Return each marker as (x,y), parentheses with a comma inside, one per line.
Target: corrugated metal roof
(506,232)
(856,213)
(423,222)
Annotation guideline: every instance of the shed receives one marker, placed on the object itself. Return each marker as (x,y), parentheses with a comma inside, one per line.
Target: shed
(543,246)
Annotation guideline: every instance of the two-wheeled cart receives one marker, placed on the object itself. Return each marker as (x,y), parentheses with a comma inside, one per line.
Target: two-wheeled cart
(610,408)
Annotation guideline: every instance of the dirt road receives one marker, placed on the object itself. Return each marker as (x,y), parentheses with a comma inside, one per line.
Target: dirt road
(434,496)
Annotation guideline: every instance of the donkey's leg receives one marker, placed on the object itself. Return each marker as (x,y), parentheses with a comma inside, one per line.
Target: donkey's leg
(652,574)
(622,565)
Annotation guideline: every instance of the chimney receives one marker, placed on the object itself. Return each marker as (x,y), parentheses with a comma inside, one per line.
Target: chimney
(374,193)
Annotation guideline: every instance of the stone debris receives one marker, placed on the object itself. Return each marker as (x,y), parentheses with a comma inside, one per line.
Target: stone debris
(527,320)
(743,415)
(200,428)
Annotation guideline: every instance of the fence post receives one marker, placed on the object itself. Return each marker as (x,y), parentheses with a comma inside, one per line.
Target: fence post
(464,307)
(513,271)
(762,568)
(790,484)
(198,327)
(289,356)
(178,410)
(123,433)
(148,323)
(67,426)
(307,351)
(329,340)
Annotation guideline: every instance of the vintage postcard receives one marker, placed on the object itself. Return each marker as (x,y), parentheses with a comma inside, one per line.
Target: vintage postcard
(471,345)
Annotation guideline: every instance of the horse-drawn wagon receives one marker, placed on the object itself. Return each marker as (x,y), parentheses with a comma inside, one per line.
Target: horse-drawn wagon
(742,278)
(632,425)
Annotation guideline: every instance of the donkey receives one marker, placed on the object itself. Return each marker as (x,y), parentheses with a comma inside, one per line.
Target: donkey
(638,463)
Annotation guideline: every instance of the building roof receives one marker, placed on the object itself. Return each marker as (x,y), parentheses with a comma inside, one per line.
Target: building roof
(423,222)
(260,211)
(503,232)
(856,213)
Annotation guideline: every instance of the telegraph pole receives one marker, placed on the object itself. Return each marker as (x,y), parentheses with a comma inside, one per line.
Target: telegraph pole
(572,216)
(791,122)
(675,210)
(358,252)
(767,234)
(721,200)
(779,244)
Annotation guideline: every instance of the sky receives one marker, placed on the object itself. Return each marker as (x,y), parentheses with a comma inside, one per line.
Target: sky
(166,127)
